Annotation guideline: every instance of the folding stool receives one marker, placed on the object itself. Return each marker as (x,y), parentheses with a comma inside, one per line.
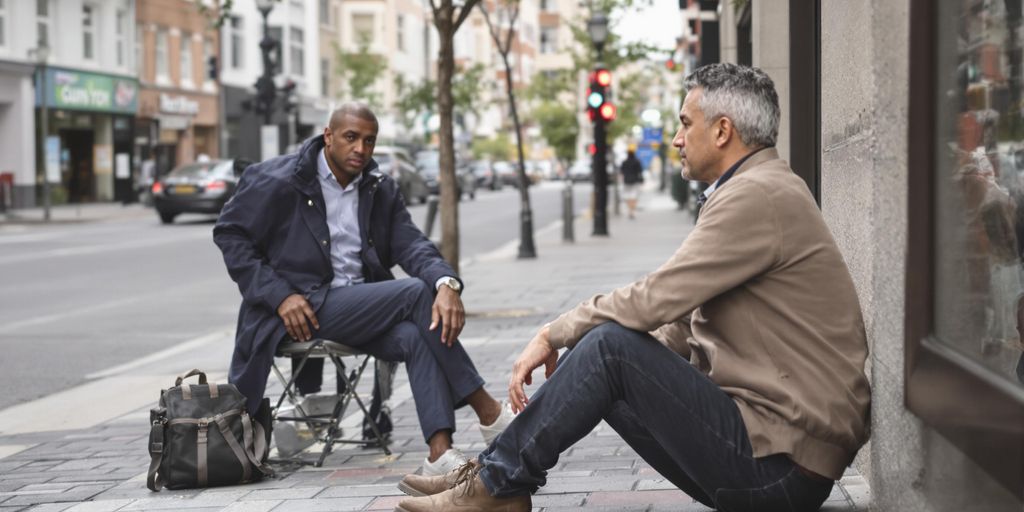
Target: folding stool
(326,427)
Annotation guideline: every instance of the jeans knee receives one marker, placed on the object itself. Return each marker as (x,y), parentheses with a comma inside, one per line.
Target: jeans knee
(604,338)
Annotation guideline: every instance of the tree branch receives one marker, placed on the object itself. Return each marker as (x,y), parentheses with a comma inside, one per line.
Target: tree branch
(464,13)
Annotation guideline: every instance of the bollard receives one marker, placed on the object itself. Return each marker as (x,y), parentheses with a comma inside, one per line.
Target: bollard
(567,214)
(431,215)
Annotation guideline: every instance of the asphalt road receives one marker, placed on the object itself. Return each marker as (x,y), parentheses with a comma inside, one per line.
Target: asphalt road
(80,298)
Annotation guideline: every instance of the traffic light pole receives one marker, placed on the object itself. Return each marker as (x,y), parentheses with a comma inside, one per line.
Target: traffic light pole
(600,173)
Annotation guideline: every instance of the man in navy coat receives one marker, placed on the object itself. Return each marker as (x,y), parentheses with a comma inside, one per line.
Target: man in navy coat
(310,238)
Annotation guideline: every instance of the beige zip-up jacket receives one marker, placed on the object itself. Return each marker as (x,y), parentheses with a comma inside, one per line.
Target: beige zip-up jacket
(758,297)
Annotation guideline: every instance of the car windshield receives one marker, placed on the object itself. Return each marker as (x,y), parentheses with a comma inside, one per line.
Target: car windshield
(217,169)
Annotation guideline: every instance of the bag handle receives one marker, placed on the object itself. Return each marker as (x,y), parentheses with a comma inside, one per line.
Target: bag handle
(202,377)
(157,418)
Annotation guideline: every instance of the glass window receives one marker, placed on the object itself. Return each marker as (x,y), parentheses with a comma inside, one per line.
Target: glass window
(88,32)
(549,40)
(3,23)
(400,30)
(161,54)
(207,55)
(325,77)
(43,22)
(325,12)
(185,58)
(121,38)
(362,29)
(979,218)
(138,50)
(298,55)
(237,42)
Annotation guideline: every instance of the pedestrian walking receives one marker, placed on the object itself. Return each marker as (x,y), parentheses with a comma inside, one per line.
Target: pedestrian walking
(730,369)
(632,179)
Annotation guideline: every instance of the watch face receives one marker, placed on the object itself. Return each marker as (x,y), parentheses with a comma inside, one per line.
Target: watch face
(454,284)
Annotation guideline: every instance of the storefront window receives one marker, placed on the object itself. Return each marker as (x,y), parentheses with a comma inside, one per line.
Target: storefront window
(979,225)
(185,59)
(88,32)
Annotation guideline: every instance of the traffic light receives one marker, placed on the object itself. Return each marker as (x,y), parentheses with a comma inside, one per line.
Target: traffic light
(599,95)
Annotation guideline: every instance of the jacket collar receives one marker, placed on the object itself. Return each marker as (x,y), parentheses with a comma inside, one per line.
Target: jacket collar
(306,169)
(759,158)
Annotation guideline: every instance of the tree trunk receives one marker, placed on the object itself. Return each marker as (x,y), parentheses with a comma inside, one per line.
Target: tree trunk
(446,139)
(526,246)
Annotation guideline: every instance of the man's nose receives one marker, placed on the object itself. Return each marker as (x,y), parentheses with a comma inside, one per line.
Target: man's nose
(679,141)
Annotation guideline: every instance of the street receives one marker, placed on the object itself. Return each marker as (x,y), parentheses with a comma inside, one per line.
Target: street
(78,299)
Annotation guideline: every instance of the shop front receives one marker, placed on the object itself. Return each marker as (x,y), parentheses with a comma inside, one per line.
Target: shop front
(88,139)
(175,127)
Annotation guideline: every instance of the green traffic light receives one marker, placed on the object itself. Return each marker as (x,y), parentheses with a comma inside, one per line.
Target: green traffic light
(595,99)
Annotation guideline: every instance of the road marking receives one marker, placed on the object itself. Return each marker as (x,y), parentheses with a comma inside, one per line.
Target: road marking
(95,249)
(44,319)
(200,342)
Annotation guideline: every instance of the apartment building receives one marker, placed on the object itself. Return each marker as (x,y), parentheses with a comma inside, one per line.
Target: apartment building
(86,90)
(179,110)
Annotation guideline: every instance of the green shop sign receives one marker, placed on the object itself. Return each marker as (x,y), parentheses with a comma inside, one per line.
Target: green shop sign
(81,90)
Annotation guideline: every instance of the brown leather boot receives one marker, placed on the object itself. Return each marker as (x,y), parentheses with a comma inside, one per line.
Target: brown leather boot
(468,496)
(419,485)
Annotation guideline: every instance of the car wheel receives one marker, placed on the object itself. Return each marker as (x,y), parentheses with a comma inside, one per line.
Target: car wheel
(167,217)
(472,196)
(423,199)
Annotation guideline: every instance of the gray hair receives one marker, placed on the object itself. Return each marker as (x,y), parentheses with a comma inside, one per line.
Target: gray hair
(745,95)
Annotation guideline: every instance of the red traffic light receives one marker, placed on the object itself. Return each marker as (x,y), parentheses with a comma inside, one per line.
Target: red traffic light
(607,112)
(603,77)
(592,149)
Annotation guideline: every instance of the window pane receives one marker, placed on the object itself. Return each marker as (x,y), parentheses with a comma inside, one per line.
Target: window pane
(362,28)
(43,8)
(87,32)
(161,53)
(297,55)
(980,192)
(237,42)
(186,57)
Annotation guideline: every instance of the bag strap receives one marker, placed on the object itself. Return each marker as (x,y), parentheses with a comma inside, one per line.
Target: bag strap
(156,448)
(256,446)
(202,377)
(240,454)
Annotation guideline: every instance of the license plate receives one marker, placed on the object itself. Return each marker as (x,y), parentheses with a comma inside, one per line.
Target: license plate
(184,189)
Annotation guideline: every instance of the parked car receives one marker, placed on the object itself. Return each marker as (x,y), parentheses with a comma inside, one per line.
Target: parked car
(580,170)
(201,187)
(485,176)
(429,165)
(507,173)
(398,164)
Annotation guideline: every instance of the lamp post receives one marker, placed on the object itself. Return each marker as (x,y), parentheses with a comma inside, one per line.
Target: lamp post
(266,91)
(597,28)
(42,54)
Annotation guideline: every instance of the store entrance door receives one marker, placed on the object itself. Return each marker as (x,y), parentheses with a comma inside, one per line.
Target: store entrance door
(77,170)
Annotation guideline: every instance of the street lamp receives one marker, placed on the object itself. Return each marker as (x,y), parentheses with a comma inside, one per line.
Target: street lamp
(597,28)
(42,54)
(266,91)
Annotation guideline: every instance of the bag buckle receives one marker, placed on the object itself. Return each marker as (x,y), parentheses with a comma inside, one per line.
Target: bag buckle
(156,447)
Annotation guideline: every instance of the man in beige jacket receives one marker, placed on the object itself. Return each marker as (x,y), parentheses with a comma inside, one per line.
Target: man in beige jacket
(736,369)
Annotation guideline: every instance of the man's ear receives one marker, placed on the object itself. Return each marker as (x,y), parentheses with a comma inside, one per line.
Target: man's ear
(724,130)
(327,135)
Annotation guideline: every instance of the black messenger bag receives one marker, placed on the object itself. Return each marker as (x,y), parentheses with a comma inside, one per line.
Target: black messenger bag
(202,436)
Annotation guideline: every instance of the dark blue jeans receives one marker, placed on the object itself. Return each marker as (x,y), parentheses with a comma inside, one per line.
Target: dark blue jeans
(673,416)
(389,320)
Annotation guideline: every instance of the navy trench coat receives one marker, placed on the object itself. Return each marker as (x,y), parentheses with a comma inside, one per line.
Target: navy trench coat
(274,237)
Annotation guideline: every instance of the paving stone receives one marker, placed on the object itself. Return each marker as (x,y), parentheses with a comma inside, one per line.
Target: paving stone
(323,504)
(602,498)
(359,490)
(252,506)
(558,486)
(387,503)
(51,507)
(79,493)
(99,506)
(283,494)
(558,500)
(655,485)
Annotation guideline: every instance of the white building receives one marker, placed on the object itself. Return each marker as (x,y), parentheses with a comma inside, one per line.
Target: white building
(90,91)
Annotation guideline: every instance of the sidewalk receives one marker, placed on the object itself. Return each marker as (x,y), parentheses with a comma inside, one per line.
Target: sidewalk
(103,468)
(70,213)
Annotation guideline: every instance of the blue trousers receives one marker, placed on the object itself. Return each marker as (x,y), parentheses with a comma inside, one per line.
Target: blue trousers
(673,416)
(389,320)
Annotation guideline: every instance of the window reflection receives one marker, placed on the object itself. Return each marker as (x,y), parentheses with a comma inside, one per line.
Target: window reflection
(980,233)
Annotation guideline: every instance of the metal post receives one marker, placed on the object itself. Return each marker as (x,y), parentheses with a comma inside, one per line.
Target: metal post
(567,213)
(431,215)
(600,172)
(615,189)
(43,115)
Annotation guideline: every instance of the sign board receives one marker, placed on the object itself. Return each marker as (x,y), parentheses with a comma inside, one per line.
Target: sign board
(53,159)
(645,154)
(122,171)
(95,92)
(102,159)
(269,141)
(651,135)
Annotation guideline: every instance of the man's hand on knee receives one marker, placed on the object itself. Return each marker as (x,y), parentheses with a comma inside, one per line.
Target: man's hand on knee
(298,315)
(538,352)
(449,312)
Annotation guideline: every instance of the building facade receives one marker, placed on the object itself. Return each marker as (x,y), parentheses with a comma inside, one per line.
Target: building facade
(179,109)
(86,92)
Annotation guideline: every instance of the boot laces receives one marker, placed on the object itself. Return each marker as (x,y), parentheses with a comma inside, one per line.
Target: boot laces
(464,476)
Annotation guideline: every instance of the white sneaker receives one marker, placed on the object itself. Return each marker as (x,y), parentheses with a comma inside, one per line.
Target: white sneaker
(448,461)
(504,419)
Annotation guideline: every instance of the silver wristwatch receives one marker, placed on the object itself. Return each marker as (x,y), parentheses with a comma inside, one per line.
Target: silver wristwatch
(452,283)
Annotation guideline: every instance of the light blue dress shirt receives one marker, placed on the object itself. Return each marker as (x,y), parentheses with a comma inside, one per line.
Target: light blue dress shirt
(343,224)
